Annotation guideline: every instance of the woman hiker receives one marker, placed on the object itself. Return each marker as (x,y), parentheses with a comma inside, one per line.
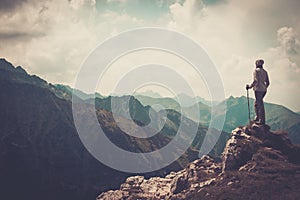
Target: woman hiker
(260,84)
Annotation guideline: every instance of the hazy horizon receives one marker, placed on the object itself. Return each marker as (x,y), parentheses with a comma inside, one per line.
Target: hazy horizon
(157,94)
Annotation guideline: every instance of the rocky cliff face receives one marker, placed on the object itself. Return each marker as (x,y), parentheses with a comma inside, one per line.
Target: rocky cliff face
(256,164)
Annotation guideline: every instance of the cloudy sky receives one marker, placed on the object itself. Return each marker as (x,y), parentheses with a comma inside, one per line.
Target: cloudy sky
(52,38)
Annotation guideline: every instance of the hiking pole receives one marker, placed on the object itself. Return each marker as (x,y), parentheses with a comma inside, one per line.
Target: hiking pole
(248,106)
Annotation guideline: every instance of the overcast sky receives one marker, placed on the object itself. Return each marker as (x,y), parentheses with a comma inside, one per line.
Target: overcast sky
(52,38)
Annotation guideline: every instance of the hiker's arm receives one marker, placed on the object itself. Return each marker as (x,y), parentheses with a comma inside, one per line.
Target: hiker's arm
(254,80)
(267,80)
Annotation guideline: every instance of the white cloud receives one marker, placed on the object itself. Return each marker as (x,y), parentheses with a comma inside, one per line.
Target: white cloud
(288,40)
(186,15)
(77,4)
(51,38)
(283,65)
(69,31)
(237,33)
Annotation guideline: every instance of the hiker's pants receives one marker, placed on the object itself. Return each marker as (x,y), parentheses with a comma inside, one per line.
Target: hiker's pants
(259,106)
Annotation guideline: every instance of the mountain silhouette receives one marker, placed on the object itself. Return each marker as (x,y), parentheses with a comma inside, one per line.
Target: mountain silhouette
(66,92)
(277,116)
(140,114)
(42,156)
(199,111)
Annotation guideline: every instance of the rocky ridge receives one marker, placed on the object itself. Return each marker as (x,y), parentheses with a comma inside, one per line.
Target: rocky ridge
(256,164)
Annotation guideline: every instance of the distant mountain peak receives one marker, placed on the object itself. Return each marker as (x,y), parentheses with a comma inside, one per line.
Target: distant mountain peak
(149,93)
(21,70)
(4,64)
(19,75)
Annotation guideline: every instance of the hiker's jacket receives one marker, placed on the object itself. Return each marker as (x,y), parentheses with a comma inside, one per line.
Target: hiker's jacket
(260,80)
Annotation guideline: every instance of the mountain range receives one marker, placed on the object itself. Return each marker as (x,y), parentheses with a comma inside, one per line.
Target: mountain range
(42,156)
(277,116)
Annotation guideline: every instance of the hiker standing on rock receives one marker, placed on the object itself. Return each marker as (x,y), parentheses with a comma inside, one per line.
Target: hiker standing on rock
(260,84)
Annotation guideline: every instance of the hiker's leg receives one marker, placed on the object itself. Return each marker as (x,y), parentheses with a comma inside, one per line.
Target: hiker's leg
(262,109)
(256,106)
(260,106)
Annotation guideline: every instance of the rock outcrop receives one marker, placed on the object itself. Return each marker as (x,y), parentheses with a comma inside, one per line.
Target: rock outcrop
(256,164)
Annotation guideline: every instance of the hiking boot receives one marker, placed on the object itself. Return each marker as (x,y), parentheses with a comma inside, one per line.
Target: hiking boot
(259,122)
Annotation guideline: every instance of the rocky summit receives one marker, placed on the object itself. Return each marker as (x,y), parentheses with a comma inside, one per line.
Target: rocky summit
(256,164)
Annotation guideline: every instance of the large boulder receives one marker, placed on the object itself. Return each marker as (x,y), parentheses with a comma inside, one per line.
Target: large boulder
(253,158)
